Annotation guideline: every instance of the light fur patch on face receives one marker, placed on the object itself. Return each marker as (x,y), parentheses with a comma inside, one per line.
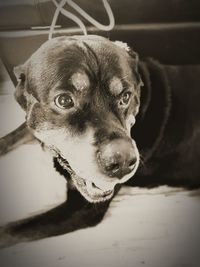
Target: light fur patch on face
(80,81)
(116,86)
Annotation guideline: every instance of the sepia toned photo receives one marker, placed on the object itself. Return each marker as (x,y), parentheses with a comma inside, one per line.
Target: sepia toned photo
(99,133)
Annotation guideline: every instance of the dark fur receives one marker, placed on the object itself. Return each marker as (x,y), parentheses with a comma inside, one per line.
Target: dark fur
(168,132)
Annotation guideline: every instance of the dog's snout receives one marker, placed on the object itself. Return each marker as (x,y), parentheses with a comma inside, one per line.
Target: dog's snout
(117,158)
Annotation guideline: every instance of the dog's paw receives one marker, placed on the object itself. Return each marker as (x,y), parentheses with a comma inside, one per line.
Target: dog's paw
(6,239)
(3,147)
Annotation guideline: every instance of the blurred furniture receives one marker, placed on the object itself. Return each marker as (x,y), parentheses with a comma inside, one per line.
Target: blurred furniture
(166,30)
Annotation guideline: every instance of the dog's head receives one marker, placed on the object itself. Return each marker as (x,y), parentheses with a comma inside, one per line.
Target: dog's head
(81,96)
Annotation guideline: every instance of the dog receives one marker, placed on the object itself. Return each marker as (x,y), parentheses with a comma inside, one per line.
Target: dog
(108,119)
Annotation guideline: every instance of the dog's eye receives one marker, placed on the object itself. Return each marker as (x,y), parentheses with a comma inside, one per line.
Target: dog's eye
(64,101)
(125,98)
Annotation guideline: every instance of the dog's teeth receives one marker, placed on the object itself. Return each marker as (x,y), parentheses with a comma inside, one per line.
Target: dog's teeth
(64,164)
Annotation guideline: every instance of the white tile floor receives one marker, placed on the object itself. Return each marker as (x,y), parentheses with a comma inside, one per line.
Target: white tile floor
(158,227)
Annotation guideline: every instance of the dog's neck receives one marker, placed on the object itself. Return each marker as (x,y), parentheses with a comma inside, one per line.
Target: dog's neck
(154,108)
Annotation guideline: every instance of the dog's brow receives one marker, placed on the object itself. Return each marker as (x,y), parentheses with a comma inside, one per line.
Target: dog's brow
(115,86)
(80,81)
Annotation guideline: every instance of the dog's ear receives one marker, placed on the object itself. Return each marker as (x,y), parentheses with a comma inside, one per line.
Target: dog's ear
(20,75)
(134,60)
(129,50)
(122,45)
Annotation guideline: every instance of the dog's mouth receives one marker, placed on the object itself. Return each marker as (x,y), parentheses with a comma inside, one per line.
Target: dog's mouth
(88,189)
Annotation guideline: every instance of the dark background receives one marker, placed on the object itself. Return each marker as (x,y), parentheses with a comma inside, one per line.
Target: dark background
(166,30)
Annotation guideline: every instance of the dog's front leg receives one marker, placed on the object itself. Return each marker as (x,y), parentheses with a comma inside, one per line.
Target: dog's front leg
(74,214)
(18,137)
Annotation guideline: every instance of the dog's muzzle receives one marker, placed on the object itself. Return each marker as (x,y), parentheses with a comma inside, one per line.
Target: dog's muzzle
(117,161)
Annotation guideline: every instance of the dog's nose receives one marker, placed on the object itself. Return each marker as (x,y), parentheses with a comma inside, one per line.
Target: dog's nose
(117,158)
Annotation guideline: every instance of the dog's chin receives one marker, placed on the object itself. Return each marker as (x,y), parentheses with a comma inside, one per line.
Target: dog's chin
(88,189)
